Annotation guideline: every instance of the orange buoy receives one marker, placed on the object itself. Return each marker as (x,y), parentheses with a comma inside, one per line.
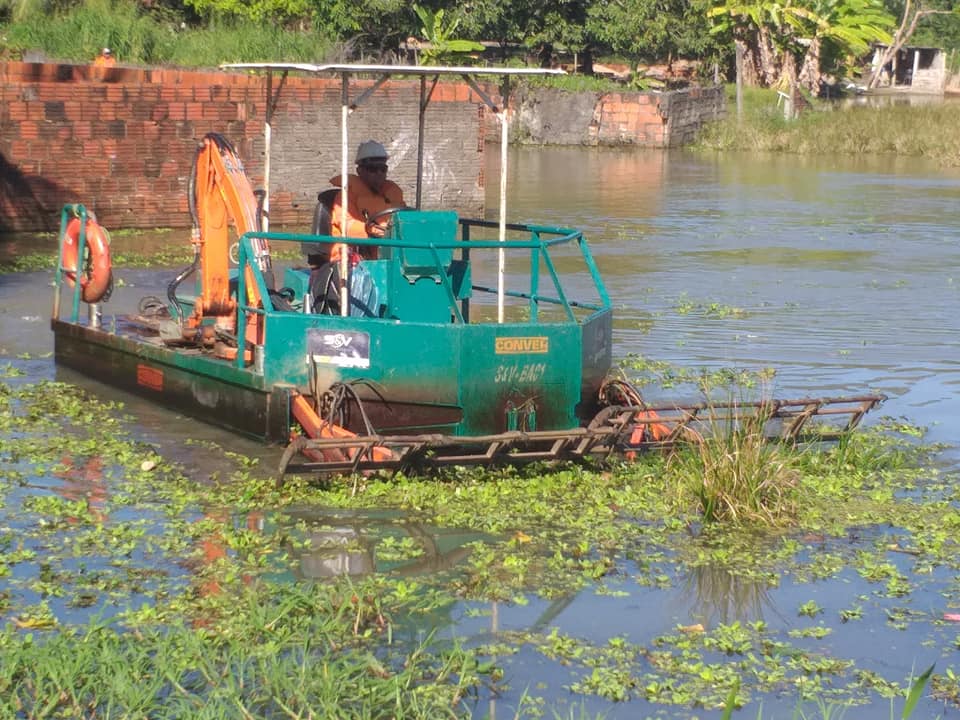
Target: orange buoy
(97,280)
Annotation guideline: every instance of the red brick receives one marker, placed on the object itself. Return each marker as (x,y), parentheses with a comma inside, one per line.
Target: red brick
(17,110)
(19,149)
(177,111)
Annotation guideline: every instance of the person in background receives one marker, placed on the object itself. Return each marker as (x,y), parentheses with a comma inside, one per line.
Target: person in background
(369,193)
(105,58)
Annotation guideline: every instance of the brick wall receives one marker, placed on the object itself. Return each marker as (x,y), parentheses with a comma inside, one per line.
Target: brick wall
(122,141)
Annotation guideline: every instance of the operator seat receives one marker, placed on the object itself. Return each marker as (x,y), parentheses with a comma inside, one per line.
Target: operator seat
(316,254)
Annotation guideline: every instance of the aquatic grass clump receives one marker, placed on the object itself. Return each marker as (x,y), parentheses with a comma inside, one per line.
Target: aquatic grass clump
(736,475)
(126,253)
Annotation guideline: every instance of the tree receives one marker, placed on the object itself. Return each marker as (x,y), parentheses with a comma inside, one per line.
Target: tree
(765,31)
(783,40)
(439,35)
(652,30)
(844,28)
(913,13)
(255,10)
(536,25)
(377,25)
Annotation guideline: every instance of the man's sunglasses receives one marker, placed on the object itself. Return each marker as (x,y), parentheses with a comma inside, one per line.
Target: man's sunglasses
(378,167)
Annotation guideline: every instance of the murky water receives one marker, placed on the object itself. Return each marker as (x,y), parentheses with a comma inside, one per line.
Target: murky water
(840,274)
(843,273)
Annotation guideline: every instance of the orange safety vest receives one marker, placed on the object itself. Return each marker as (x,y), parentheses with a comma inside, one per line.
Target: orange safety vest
(362,203)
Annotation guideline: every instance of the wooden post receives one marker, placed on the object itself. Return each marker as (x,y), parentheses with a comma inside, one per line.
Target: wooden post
(739,48)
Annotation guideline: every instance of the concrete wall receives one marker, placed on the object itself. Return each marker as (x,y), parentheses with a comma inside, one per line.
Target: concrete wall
(650,119)
(122,141)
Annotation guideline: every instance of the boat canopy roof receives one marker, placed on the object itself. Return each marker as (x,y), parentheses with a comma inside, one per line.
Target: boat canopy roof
(351,68)
(346,71)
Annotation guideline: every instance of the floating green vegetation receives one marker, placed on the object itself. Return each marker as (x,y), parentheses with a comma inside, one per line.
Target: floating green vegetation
(131,586)
(173,254)
(645,371)
(686,306)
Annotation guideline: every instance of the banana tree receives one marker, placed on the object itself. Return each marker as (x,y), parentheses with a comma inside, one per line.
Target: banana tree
(784,40)
(766,31)
(439,35)
(847,28)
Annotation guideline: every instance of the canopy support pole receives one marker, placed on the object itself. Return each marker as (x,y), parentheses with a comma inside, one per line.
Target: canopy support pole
(501,253)
(272,99)
(425,96)
(344,195)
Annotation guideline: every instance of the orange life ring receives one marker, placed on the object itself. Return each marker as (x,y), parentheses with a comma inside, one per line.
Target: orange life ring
(97,280)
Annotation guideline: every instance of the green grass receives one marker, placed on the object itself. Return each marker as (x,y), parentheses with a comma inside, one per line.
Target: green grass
(907,130)
(140,38)
(736,476)
(287,659)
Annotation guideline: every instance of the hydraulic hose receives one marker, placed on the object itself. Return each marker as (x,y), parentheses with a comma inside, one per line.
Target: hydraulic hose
(195,234)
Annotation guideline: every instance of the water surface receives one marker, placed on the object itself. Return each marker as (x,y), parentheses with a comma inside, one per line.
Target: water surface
(839,274)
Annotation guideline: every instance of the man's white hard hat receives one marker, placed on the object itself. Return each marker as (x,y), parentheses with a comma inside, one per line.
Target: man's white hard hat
(106,51)
(371,150)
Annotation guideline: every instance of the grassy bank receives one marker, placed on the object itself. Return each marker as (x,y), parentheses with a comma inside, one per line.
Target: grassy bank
(897,129)
(140,38)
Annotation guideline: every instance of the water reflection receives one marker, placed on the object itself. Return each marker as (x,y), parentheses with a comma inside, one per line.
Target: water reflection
(326,543)
(82,480)
(720,596)
(333,552)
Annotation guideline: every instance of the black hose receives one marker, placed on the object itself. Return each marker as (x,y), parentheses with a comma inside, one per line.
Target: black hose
(195,218)
(334,405)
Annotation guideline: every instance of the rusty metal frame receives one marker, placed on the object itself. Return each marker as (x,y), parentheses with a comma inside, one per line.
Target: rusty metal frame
(611,433)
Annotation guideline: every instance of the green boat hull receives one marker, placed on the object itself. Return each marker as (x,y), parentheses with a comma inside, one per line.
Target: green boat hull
(415,360)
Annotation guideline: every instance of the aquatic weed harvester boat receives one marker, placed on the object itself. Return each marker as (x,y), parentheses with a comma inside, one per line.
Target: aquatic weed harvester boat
(425,364)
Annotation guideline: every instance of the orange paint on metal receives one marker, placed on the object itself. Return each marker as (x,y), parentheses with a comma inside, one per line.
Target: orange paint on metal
(150,377)
(645,431)
(315,427)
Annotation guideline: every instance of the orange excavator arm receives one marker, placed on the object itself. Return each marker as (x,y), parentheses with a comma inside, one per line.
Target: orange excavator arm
(221,196)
